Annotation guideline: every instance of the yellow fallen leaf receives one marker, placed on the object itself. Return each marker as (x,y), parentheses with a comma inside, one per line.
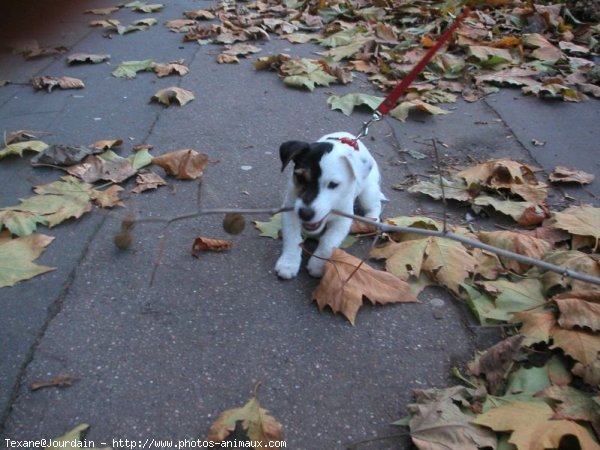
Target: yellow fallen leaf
(347,280)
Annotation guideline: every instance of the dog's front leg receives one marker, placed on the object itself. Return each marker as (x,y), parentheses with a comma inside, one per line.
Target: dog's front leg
(288,263)
(337,230)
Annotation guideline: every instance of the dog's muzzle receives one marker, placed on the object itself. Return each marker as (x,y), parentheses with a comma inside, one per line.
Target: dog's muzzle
(312,227)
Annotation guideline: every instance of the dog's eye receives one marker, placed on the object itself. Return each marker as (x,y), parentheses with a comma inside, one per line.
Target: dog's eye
(332,185)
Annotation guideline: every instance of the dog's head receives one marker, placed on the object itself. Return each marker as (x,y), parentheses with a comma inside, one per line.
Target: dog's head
(324,179)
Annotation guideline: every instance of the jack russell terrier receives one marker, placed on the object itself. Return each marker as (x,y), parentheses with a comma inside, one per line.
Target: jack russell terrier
(328,174)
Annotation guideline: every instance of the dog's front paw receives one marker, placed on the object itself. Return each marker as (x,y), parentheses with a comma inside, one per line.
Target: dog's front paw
(316,266)
(287,267)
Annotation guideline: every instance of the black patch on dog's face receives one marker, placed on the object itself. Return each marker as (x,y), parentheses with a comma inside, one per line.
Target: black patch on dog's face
(307,170)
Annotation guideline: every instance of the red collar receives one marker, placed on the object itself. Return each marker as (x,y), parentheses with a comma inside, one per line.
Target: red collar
(348,141)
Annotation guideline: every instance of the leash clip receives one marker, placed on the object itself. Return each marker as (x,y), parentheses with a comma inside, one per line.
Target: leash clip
(377,116)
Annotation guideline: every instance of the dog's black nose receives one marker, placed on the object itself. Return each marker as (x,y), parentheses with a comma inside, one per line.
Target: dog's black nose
(306,213)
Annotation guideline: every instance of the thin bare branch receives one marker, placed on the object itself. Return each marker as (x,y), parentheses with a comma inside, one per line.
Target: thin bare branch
(477,244)
(439,171)
(387,228)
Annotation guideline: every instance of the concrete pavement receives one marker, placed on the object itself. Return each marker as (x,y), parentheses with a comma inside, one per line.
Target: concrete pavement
(161,360)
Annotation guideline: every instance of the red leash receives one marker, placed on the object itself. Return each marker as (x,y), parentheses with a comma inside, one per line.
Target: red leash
(390,101)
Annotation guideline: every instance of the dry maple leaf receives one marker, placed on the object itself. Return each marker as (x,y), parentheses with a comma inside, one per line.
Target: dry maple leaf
(21,136)
(107,144)
(535,326)
(17,256)
(532,426)
(495,362)
(203,244)
(518,243)
(184,164)
(256,422)
(222,58)
(567,175)
(102,11)
(572,260)
(147,181)
(444,260)
(163,70)
(199,14)
(583,347)
(579,309)
(49,83)
(348,280)
(108,198)
(180,25)
(83,58)
(580,220)
(169,95)
(441,420)
(573,404)
(507,174)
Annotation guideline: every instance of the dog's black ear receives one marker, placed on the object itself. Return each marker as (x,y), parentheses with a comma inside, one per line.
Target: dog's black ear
(290,150)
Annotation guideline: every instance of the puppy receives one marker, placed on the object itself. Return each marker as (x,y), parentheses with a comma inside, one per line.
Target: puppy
(328,174)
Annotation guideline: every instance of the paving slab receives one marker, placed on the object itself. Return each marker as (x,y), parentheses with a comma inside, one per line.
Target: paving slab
(162,342)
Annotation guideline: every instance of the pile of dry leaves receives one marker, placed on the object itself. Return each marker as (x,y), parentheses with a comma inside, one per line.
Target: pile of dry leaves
(541,47)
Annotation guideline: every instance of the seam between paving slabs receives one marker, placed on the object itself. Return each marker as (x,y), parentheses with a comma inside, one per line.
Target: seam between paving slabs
(56,306)
(51,61)
(52,311)
(512,132)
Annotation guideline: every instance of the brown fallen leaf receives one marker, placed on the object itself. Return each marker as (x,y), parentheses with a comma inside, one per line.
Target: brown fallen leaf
(199,14)
(108,198)
(83,58)
(223,58)
(241,49)
(49,83)
(362,228)
(567,175)
(169,95)
(57,381)
(102,11)
(579,309)
(573,404)
(184,164)
(180,25)
(517,177)
(22,135)
(441,419)
(348,280)
(30,49)
(256,423)
(139,147)
(495,361)
(64,155)
(107,144)
(94,168)
(535,326)
(203,244)
(533,427)
(518,243)
(581,221)
(177,67)
(147,181)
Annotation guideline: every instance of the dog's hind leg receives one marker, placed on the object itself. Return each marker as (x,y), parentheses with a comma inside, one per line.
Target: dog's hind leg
(337,230)
(288,264)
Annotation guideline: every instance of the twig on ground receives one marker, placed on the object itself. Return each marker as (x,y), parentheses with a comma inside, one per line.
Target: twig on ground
(472,243)
(439,171)
(387,228)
